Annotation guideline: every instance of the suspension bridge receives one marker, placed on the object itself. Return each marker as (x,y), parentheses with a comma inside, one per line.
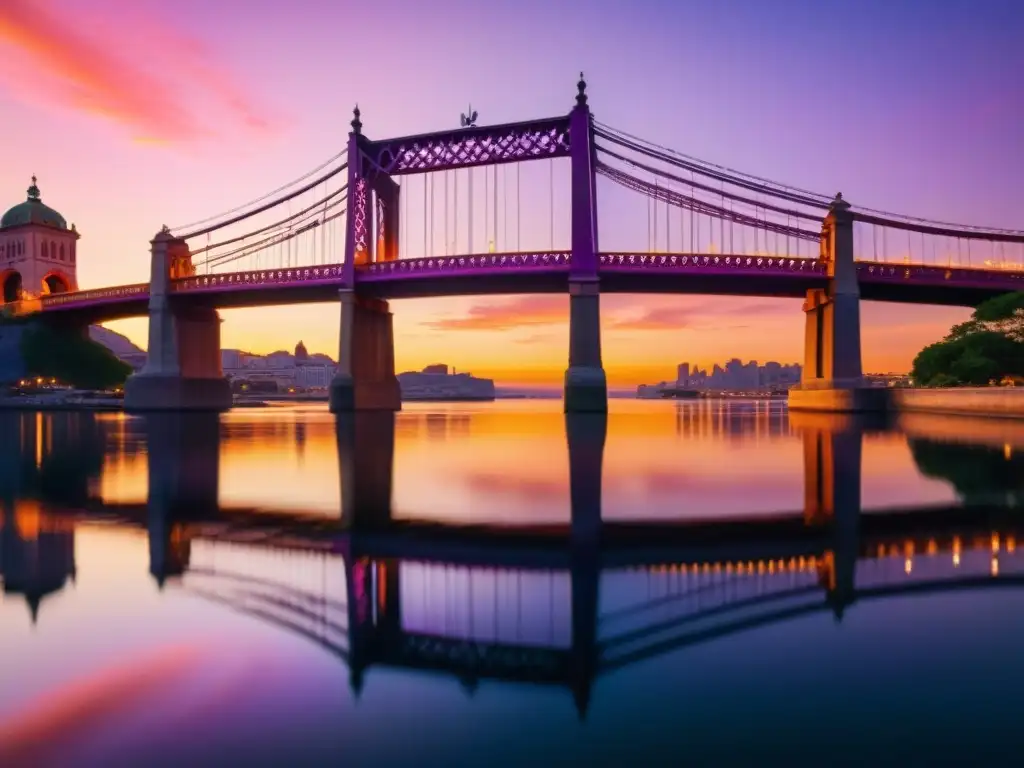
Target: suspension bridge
(444,214)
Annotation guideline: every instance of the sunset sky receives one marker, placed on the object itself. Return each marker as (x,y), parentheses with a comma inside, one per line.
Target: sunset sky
(143,113)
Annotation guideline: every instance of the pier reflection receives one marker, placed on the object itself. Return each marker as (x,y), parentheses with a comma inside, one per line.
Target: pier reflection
(557,604)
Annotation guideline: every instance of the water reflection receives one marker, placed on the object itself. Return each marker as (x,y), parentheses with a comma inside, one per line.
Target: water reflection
(560,603)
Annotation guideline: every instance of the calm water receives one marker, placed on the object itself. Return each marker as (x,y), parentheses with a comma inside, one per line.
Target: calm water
(497,585)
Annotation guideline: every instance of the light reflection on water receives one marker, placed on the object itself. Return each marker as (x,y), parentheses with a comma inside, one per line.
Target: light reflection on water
(275,585)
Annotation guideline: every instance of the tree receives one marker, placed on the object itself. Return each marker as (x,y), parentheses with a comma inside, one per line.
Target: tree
(1004,314)
(987,347)
(71,359)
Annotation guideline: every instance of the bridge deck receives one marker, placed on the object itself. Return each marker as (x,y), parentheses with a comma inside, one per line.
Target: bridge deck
(546,272)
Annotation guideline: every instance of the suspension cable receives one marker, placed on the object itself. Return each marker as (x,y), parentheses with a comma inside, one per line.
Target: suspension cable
(282,240)
(272,204)
(275,238)
(282,222)
(710,173)
(938,226)
(698,206)
(707,188)
(260,199)
(725,169)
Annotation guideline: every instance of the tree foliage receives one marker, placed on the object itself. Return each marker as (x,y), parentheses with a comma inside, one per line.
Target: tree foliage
(988,347)
(71,359)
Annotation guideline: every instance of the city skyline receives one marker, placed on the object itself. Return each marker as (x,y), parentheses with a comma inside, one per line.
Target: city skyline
(131,148)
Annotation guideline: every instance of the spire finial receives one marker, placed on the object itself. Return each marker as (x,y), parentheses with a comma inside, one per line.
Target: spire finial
(581,92)
(33,191)
(838,203)
(357,125)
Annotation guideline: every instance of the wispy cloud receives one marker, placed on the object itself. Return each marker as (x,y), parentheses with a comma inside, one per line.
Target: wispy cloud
(507,314)
(675,313)
(162,93)
(625,313)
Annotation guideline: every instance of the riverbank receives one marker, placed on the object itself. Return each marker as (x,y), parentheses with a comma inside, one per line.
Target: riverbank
(989,402)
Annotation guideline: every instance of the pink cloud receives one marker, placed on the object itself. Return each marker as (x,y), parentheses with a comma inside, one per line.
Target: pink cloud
(633,313)
(508,314)
(674,313)
(101,76)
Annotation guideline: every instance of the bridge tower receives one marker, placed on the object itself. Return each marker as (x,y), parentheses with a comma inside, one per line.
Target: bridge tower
(586,387)
(183,369)
(833,377)
(365,379)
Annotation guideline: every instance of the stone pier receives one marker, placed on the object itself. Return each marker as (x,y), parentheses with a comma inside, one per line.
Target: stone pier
(833,377)
(183,368)
(586,386)
(366,379)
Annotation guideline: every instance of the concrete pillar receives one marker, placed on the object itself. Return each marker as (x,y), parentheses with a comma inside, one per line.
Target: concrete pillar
(183,368)
(832,377)
(586,386)
(365,380)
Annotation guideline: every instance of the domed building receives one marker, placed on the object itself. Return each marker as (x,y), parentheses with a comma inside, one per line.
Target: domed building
(37,250)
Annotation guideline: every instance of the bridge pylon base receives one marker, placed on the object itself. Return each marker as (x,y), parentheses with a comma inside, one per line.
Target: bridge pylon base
(839,397)
(586,390)
(160,392)
(347,395)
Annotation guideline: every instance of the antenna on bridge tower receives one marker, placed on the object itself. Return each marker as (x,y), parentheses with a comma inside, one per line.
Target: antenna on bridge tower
(468,118)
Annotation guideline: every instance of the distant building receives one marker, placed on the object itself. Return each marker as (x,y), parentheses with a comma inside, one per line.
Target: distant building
(735,376)
(435,383)
(314,376)
(682,374)
(301,355)
(231,359)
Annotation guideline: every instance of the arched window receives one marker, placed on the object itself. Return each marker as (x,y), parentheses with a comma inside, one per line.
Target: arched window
(46,250)
(21,247)
(62,251)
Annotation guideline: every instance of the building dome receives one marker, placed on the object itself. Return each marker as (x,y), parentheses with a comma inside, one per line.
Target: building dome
(301,354)
(32,211)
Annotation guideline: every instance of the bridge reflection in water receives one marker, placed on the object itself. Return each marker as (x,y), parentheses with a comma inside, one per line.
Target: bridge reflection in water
(552,604)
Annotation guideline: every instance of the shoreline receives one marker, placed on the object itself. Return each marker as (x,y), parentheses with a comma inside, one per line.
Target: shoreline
(986,403)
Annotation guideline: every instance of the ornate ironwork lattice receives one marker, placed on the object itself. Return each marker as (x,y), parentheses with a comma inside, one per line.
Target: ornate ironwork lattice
(259,278)
(360,222)
(381,250)
(489,145)
(698,262)
(441,265)
(112,294)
